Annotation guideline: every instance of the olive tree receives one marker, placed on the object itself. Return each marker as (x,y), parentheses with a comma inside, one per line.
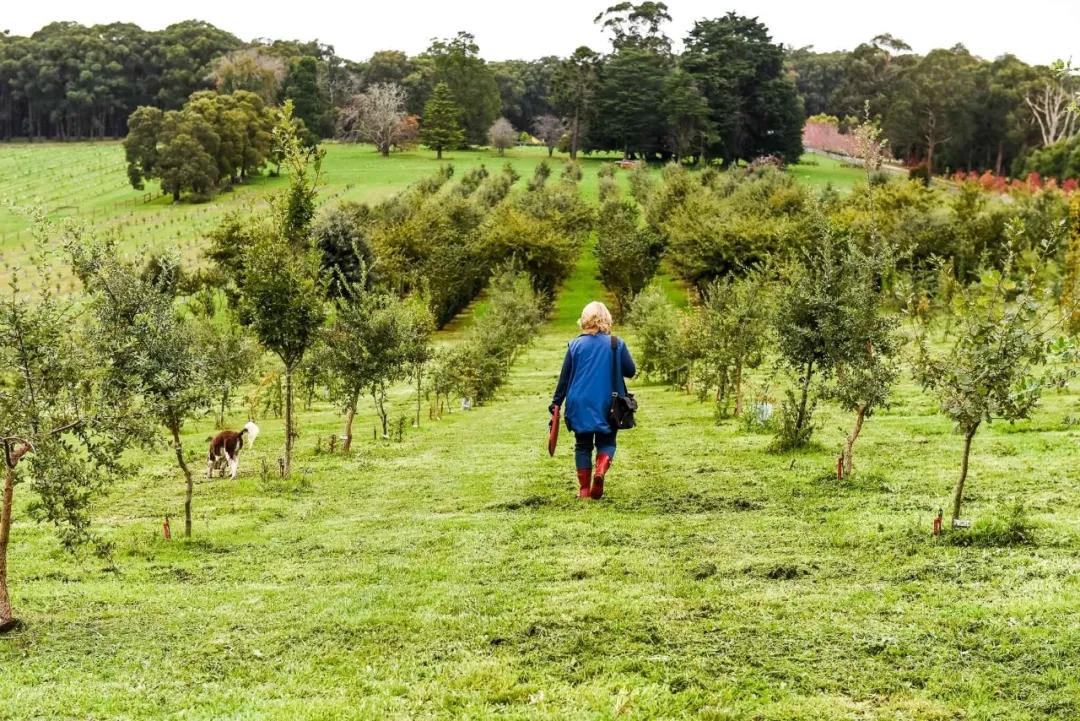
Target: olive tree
(807,312)
(62,429)
(864,347)
(279,276)
(993,365)
(146,347)
(281,299)
(734,328)
(627,252)
(375,338)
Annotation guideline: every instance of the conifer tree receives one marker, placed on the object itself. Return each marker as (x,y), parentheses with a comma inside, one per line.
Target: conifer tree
(440,126)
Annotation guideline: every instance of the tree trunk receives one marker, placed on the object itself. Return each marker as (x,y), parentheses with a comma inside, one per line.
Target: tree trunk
(176,195)
(419,390)
(288,419)
(551,150)
(349,415)
(221,413)
(738,388)
(378,394)
(6,615)
(849,443)
(178,447)
(958,492)
(1000,158)
(800,420)
(438,153)
(574,135)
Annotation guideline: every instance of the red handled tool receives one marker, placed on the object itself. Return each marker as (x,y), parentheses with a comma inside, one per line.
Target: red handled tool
(553,431)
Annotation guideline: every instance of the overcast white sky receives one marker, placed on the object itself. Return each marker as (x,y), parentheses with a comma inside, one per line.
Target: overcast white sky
(1037,30)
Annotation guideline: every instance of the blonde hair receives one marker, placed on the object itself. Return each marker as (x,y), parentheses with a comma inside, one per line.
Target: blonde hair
(595,318)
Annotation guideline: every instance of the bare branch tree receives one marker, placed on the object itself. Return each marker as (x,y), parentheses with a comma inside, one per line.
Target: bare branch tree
(1054,104)
(375,116)
(549,129)
(502,135)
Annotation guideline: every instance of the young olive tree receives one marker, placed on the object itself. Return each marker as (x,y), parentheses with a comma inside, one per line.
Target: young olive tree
(375,338)
(62,429)
(994,364)
(279,276)
(806,314)
(147,348)
(627,252)
(232,356)
(864,347)
(734,323)
(282,302)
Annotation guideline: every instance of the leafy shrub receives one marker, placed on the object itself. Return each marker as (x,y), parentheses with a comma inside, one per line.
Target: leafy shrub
(627,253)
(1012,528)
(792,429)
(920,173)
(659,347)
(480,364)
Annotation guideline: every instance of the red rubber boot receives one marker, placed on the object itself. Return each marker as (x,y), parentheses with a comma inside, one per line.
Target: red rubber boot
(584,476)
(603,463)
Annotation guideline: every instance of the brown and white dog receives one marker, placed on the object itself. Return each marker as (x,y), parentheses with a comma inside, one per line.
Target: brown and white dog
(225,448)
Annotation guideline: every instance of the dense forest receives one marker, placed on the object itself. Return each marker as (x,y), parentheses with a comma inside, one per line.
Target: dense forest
(732,93)
(949,109)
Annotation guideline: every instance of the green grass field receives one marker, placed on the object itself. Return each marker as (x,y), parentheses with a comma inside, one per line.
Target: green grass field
(454,574)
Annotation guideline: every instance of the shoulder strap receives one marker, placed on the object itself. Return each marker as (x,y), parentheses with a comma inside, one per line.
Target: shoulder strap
(614,366)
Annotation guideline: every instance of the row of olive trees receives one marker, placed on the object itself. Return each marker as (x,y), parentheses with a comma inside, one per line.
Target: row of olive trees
(829,318)
(477,366)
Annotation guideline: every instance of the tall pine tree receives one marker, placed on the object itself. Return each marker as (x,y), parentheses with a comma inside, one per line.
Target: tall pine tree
(440,126)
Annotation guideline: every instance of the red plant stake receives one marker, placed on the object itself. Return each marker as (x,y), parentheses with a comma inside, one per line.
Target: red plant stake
(166,530)
(937,523)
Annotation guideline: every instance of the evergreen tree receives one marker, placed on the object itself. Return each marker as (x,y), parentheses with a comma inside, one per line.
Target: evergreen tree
(440,127)
(302,87)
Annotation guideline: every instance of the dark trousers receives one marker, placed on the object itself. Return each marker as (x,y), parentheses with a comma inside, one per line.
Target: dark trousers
(584,443)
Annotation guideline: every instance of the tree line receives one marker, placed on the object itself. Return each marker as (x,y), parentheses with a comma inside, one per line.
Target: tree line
(71,81)
(726,97)
(948,109)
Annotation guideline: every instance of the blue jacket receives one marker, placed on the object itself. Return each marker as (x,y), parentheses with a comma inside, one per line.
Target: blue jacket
(585,381)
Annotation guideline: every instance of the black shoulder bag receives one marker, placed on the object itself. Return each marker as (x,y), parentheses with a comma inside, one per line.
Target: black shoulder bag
(623,405)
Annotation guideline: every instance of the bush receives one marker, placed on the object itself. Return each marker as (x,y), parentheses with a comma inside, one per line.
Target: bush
(659,346)
(480,364)
(341,236)
(920,173)
(627,254)
(790,433)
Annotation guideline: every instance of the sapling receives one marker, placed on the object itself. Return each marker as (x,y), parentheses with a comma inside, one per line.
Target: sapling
(807,315)
(863,347)
(147,348)
(994,364)
(627,252)
(375,338)
(733,328)
(280,278)
(62,428)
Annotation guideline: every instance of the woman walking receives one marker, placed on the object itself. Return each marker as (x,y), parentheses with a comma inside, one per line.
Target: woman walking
(586,384)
